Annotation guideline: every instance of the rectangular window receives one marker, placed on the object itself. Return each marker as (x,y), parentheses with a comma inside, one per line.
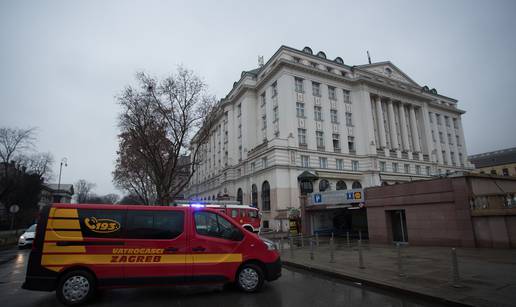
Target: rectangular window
(445,159)
(430,117)
(262,99)
(316,89)
(346,96)
(382,166)
(331,93)
(493,172)
(505,172)
(339,164)
(460,159)
(354,166)
(433,136)
(301,135)
(457,139)
(319,135)
(351,144)
(333,115)
(407,168)
(253,167)
(455,124)
(239,110)
(441,137)
(336,142)
(300,109)
(452,157)
(264,122)
(264,162)
(154,225)
(428,170)
(274,89)
(305,161)
(450,141)
(317,113)
(418,170)
(438,119)
(299,85)
(395,167)
(275,114)
(323,162)
(447,121)
(349,122)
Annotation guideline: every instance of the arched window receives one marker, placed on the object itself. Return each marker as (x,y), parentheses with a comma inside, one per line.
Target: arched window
(240,195)
(341,185)
(254,196)
(356,185)
(324,185)
(266,196)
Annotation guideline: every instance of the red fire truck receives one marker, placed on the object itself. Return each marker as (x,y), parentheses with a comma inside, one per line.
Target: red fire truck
(247,216)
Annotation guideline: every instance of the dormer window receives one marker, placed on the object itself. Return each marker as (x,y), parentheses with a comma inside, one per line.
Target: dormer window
(388,71)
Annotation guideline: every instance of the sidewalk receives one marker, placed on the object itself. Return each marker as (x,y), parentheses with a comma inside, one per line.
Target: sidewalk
(487,276)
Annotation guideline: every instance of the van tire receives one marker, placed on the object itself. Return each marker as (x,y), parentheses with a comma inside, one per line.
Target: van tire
(75,287)
(250,278)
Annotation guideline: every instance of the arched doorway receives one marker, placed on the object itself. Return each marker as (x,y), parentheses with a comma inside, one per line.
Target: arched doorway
(266,196)
(240,195)
(254,196)
(341,185)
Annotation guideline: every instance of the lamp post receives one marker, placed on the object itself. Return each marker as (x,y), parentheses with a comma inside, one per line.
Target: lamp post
(65,162)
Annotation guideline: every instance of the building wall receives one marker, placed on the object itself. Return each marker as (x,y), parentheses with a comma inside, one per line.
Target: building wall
(247,130)
(499,170)
(435,211)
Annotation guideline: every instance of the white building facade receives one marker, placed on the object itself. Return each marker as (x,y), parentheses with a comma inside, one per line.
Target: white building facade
(351,126)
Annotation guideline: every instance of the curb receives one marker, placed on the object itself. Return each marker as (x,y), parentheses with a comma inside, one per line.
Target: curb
(423,296)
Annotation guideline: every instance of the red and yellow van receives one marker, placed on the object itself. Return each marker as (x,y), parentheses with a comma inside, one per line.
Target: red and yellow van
(79,248)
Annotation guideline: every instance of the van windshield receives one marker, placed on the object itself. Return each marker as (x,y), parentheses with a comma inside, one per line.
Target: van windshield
(31,228)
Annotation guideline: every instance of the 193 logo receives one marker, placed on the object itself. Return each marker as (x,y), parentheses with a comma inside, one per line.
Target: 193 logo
(101,225)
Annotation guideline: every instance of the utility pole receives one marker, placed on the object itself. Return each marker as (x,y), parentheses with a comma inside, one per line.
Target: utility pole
(65,162)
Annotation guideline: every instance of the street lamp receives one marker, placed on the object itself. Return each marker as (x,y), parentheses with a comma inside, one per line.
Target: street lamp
(65,162)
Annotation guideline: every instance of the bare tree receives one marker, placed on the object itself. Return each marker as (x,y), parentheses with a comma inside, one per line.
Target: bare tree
(110,198)
(13,141)
(38,163)
(83,190)
(158,122)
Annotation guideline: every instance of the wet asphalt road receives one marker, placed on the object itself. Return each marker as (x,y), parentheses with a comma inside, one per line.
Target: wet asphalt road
(295,288)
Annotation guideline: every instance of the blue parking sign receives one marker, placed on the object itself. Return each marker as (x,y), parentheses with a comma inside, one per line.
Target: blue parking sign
(317,198)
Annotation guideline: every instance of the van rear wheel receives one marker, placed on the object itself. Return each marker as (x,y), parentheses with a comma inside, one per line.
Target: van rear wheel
(250,278)
(75,287)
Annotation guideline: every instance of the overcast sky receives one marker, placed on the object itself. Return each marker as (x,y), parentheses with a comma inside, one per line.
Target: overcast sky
(63,62)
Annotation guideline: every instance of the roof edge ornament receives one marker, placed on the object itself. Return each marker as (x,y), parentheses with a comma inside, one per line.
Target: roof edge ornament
(308,50)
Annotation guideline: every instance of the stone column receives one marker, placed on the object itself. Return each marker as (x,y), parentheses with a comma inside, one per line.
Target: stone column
(404,132)
(381,127)
(413,127)
(392,125)
(438,153)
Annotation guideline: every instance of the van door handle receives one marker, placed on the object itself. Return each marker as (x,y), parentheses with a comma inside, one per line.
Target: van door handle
(171,249)
(198,249)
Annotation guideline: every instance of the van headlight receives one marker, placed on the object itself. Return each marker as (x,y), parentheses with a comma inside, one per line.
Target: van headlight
(270,245)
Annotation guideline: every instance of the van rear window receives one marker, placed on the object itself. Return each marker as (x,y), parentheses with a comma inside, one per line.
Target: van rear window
(154,224)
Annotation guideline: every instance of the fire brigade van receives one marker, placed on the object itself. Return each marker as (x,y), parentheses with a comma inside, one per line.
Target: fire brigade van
(247,216)
(81,248)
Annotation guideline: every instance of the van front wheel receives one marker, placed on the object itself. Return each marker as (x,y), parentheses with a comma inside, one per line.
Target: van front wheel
(250,278)
(75,287)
